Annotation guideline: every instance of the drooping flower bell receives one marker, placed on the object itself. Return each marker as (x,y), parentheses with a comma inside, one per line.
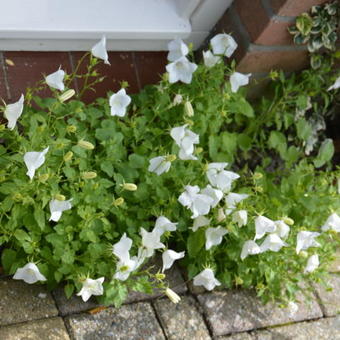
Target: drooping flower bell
(29,273)
(13,112)
(223,44)
(33,161)
(56,80)
(206,278)
(177,49)
(99,50)
(237,80)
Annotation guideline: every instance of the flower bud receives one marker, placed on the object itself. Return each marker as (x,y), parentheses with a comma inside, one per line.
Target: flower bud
(288,220)
(238,281)
(130,186)
(119,201)
(71,128)
(60,197)
(258,189)
(199,150)
(66,95)
(303,254)
(220,215)
(86,145)
(170,158)
(68,156)
(257,175)
(17,197)
(43,178)
(188,109)
(160,276)
(172,295)
(89,175)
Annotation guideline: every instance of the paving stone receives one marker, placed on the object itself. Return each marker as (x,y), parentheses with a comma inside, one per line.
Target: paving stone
(133,322)
(240,310)
(330,299)
(335,265)
(23,302)
(181,321)
(51,329)
(237,336)
(323,329)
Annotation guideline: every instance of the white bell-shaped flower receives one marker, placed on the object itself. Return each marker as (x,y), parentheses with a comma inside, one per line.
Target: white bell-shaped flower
(223,44)
(240,217)
(209,59)
(56,80)
(177,49)
(150,242)
(332,223)
(232,199)
(163,224)
(178,99)
(119,102)
(29,273)
(263,225)
(159,165)
(200,221)
(185,139)
(237,80)
(34,160)
(272,242)
(122,248)
(185,156)
(215,194)
(305,240)
(198,204)
(91,287)
(181,70)
(57,207)
(220,178)
(99,50)
(206,278)
(13,112)
(282,229)
(169,257)
(124,268)
(214,236)
(312,264)
(336,85)
(249,248)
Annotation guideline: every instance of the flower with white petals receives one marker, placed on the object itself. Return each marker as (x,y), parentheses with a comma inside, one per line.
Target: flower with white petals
(199,204)
(177,49)
(57,207)
(119,102)
(249,248)
(13,112)
(200,221)
(223,44)
(282,229)
(220,178)
(232,199)
(292,308)
(214,236)
(150,242)
(124,268)
(181,69)
(178,99)
(210,60)
(312,264)
(173,296)
(163,224)
(99,50)
(237,80)
(91,287)
(263,225)
(169,257)
(159,165)
(215,194)
(240,217)
(335,86)
(55,80)
(33,161)
(185,139)
(221,216)
(207,279)
(122,247)
(332,223)
(29,273)
(305,240)
(272,242)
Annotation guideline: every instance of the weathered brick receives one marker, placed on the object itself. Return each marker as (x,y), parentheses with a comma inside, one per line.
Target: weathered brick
(293,7)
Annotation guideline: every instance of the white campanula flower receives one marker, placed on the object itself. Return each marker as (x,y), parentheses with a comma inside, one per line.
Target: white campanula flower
(29,273)
(150,242)
(173,296)
(305,240)
(122,248)
(332,223)
(99,50)
(263,225)
(200,221)
(240,217)
(206,278)
(336,85)
(249,248)
(119,102)
(57,207)
(125,267)
(169,257)
(159,165)
(13,112)
(181,69)
(237,80)
(178,99)
(185,156)
(199,204)
(214,236)
(215,194)
(312,264)
(223,44)
(33,161)
(163,224)
(220,178)
(185,139)
(272,242)
(209,59)
(56,80)
(91,287)
(232,199)
(177,49)
(282,229)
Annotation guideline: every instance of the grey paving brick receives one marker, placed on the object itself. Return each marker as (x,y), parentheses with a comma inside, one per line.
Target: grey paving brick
(330,299)
(323,329)
(49,329)
(181,321)
(236,336)
(240,310)
(133,322)
(21,302)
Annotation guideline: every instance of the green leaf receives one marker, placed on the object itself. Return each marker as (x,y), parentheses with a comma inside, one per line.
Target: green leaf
(244,141)
(304,129)
(69,289)
(196,241)
(325,153)
(277,141)
(39,216)
(241,106)
(8,257)
(107,167)
(137,161)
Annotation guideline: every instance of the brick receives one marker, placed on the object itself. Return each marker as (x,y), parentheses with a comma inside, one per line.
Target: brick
(51,329)
(3,91)
(293,7)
